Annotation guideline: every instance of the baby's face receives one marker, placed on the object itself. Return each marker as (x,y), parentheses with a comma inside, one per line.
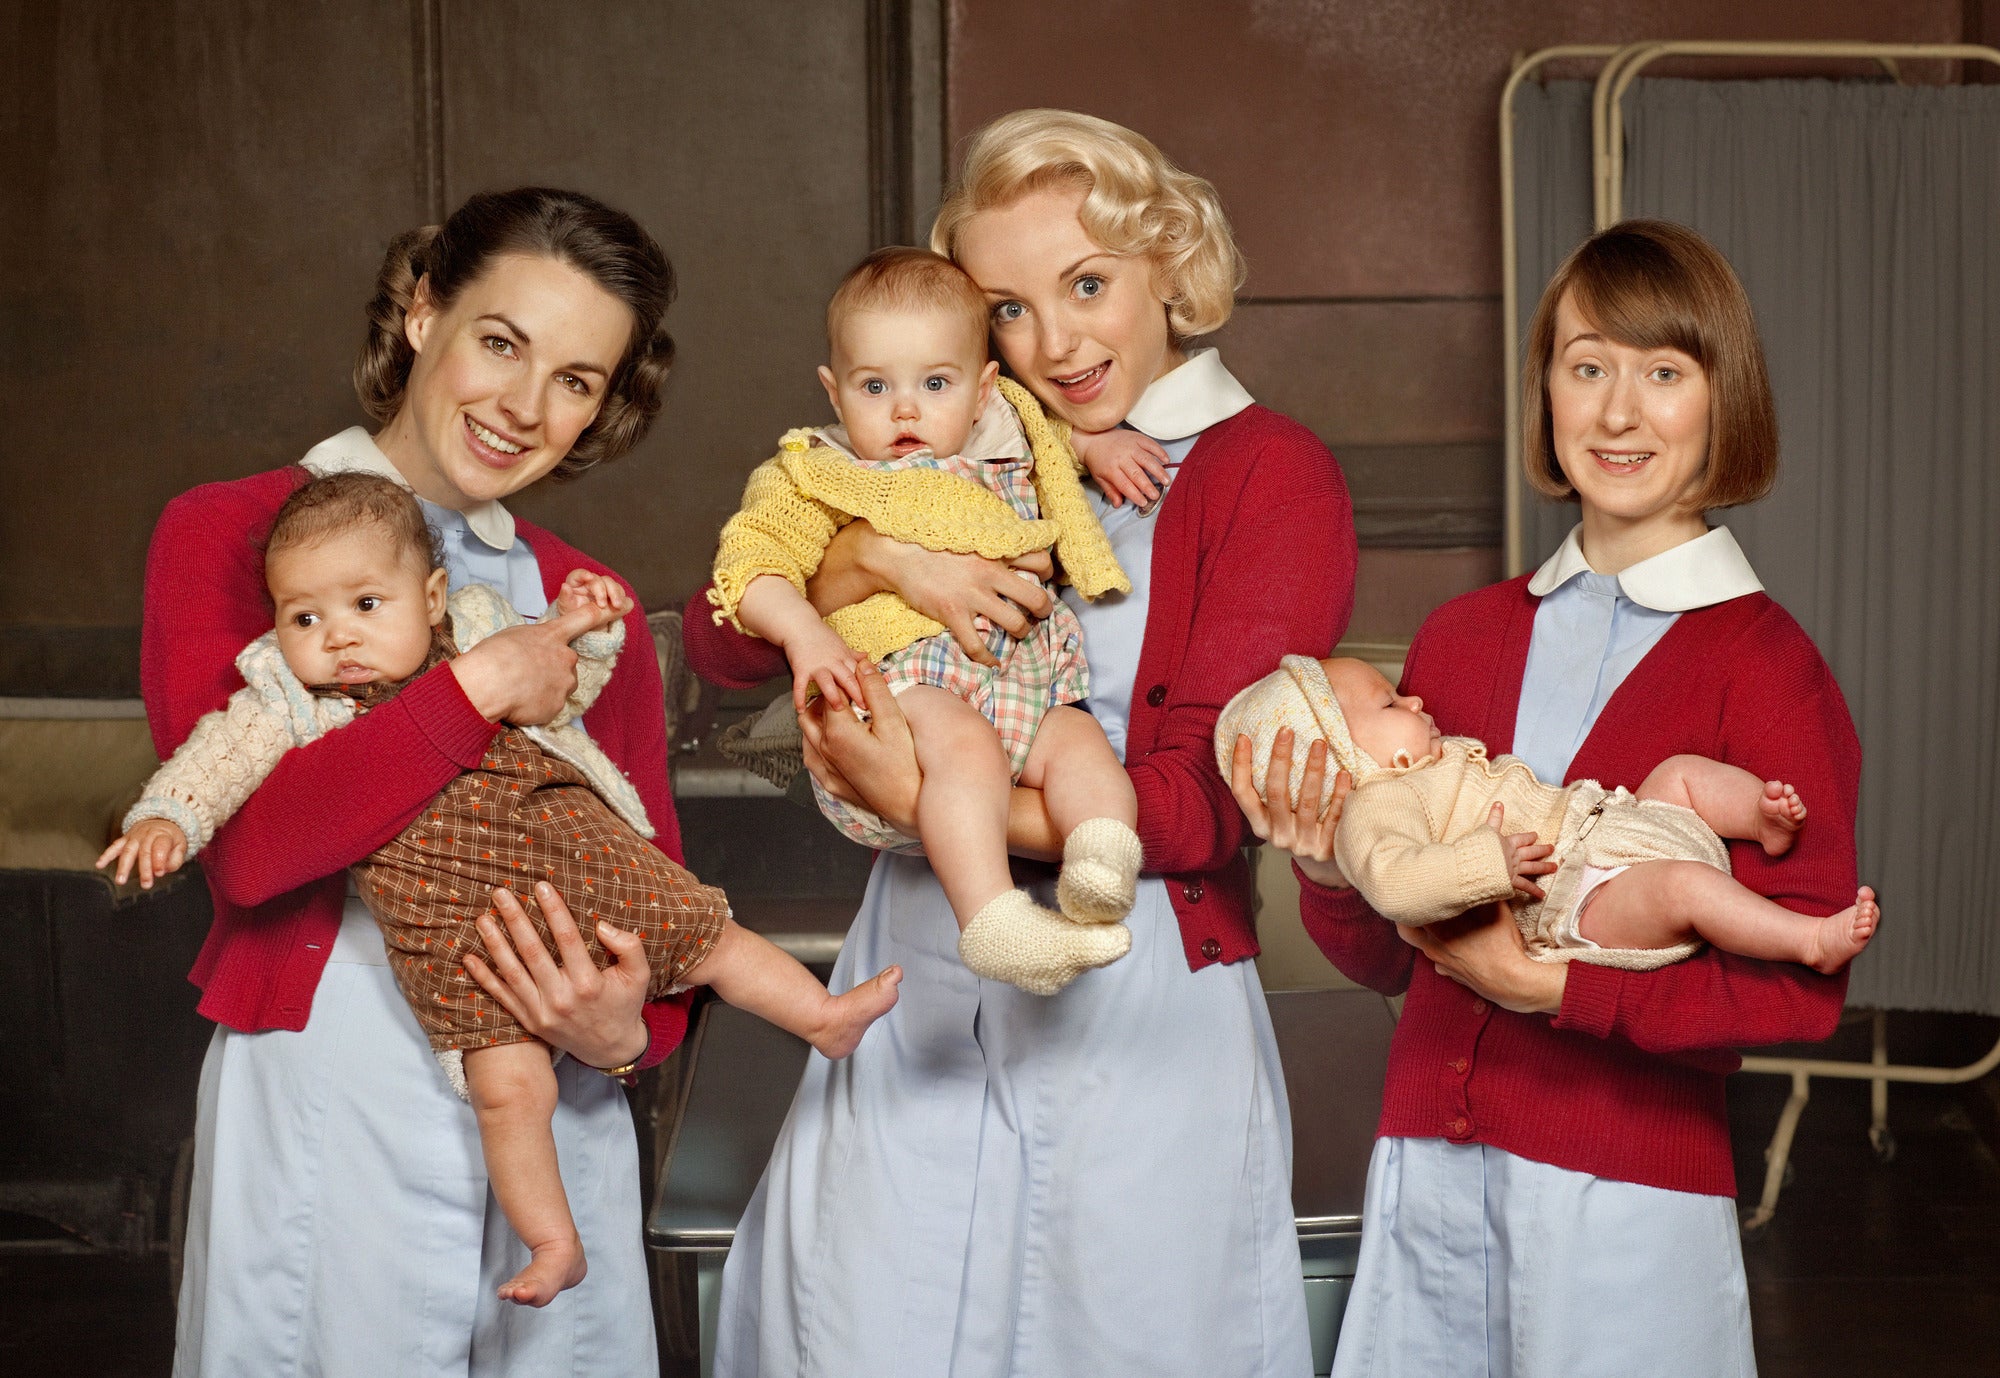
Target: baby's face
(1382,722)
(903,381)
(354,608)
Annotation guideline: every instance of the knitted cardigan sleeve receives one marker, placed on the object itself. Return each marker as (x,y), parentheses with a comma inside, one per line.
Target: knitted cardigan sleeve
(1273,575)
(223,760)
(1385,846)
(327,804)
(1785,719)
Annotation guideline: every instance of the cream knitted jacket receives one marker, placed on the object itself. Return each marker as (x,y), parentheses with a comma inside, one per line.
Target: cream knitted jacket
(1414,840)
(796,500)
(233,749)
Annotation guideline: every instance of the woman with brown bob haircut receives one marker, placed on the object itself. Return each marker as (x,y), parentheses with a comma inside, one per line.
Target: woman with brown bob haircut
(1564,1123)
(340,1219)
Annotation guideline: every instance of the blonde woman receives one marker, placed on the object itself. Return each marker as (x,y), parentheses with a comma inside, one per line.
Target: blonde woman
(1099,1181)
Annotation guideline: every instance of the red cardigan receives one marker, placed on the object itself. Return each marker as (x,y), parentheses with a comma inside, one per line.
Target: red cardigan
(1626,1081)
(277,869)
(1253,560)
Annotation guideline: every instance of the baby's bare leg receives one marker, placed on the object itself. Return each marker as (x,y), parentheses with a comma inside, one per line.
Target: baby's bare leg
(1079,775)
(755,974)
(1090,801)
(962,806)
(513,1091)
(1661,903)
(1730,800)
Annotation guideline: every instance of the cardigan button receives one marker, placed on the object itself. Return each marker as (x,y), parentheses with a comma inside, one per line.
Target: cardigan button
(1479,1007)
(1211,949)
(1193,892)
(1459,1066)
(1459,1127)
(1156,696)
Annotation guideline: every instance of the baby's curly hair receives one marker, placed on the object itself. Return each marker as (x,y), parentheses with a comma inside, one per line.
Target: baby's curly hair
(338,503)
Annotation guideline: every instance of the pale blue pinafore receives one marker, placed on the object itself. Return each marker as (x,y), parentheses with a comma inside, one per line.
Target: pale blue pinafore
(340,1222)
(998,1183)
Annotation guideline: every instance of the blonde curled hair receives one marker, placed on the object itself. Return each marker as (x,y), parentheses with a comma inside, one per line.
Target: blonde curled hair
(1135,202)
(604,244)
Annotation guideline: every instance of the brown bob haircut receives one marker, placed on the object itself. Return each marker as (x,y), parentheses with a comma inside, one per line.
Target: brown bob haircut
(1652,284)
(606,245)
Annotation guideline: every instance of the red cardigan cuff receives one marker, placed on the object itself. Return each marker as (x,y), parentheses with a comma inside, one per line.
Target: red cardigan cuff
(1590,999)
(667,1021)
(438,705)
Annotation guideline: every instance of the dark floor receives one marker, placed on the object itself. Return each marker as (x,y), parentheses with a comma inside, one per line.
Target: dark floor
(1870,1268)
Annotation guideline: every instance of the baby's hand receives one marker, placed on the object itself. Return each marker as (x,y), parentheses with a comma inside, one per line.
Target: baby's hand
(1124,463)
(819,656)
(1525,856)
(157,846)
(596,593)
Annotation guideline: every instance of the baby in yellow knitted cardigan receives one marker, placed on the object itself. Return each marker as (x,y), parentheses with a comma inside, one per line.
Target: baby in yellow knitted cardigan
(1638,880)
(934,448)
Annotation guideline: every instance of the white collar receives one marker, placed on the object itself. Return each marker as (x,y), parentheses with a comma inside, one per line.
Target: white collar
(997,434)
(1188,399)
(355,451)
(1694,574)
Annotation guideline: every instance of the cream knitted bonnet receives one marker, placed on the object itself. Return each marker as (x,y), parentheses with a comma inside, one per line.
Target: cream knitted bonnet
(1295,695)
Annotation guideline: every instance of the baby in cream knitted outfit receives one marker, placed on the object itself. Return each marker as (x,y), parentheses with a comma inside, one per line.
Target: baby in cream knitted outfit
(1632,880)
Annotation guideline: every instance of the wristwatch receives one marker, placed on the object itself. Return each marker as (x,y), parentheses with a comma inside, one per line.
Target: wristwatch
(625,1072)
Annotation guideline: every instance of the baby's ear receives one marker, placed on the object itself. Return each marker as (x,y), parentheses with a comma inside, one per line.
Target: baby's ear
(987,376)
(437,591)
(832,389)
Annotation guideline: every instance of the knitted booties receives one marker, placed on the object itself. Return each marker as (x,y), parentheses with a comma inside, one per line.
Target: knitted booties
(1015,940)
(1100,872)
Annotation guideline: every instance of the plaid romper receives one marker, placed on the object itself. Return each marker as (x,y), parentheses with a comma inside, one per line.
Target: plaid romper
(1038,672)
(524,815)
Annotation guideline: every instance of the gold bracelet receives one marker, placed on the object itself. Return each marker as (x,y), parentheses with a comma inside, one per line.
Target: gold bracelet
(619,1073)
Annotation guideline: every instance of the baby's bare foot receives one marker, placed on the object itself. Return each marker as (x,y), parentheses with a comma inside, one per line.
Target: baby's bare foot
(555,1268)
(1838,938)
(848,1016)
(1780,815)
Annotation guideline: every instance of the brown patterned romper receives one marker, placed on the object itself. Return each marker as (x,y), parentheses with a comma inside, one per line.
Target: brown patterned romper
(524,815)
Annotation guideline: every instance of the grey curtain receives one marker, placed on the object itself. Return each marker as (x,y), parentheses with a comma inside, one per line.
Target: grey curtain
(1864,221)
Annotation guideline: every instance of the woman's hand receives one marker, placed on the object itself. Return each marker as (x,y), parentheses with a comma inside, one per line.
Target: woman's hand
(873,763)
(948,588)
(525,674)
(1483,951)
(1305,830)
(591,1014)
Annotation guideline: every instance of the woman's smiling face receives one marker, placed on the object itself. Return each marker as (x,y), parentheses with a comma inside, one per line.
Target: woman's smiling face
(505,379)
(1084,329)
(1630,425)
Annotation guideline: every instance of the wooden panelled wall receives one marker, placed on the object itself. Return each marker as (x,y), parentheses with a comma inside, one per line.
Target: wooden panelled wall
(197,194)
(1354,146)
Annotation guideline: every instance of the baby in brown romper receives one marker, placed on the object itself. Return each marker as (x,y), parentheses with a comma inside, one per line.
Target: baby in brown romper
(361,606)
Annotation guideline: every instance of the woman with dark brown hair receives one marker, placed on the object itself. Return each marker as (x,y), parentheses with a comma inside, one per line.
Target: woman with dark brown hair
(340,1220)
(1551,1191)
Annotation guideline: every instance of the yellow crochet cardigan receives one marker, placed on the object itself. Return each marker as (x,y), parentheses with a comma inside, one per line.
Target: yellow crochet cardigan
(796,500)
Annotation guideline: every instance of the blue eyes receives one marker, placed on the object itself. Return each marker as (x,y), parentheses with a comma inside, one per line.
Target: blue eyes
(934,383)
(874,387)
(1088,286)
(1008,311)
